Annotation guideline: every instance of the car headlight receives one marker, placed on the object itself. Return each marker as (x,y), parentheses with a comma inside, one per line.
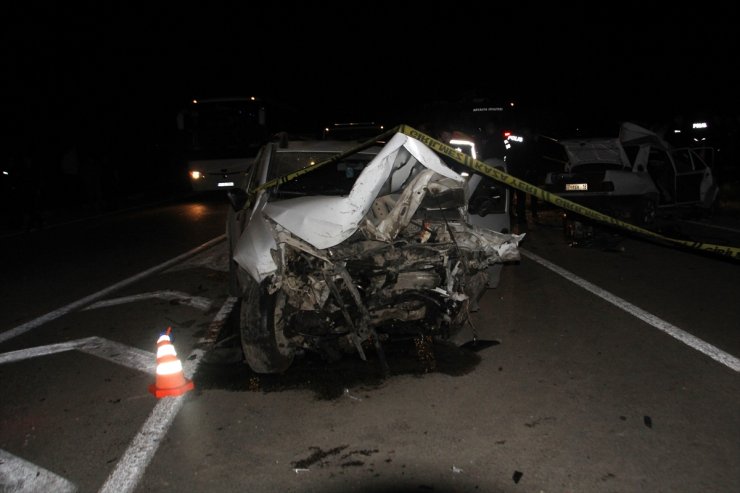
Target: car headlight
(196,175)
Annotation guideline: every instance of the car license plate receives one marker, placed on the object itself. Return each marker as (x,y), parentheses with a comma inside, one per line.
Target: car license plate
(226,184)
(572,187)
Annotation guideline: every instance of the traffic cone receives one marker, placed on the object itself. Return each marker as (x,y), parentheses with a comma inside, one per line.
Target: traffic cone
(171,380)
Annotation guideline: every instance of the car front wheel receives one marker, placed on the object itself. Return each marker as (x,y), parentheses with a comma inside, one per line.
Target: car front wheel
(266,349)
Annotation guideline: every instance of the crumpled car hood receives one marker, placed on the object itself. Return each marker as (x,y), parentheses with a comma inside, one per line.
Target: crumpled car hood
(326,221)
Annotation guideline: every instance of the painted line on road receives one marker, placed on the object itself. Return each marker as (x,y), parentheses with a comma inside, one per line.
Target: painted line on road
(215,259)
(18,475)
(118,353)
(81,303)
(130,469)
(198,302)
(694,342)
(121,354)
(35,352)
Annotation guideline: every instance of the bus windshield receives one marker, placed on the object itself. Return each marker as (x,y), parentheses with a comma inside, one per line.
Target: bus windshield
(223,128)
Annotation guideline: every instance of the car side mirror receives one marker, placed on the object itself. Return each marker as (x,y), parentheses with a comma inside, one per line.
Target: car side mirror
(237,198)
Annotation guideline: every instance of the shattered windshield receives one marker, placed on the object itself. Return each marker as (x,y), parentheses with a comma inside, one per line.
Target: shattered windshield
(330,179)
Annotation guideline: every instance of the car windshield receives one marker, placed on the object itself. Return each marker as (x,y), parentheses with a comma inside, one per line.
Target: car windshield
(330,179)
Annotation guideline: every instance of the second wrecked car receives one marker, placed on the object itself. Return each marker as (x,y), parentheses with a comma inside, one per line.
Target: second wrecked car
(363,248)
(632,176)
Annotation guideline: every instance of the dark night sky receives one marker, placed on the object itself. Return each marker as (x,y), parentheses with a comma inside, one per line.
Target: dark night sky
(130,63)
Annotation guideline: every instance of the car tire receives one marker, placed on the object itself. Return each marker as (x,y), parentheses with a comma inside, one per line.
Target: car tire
(265,347)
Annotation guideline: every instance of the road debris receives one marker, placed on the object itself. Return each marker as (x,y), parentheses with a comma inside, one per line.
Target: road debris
(517,476)
(346,392)
(479,344)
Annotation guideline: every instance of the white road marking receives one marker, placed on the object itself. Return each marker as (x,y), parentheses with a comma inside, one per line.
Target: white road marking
(118,353)
(81,303)
(129,356)
(20,476)
(130,469)
(198,302)
(37,351)
(713,352)
(215,259)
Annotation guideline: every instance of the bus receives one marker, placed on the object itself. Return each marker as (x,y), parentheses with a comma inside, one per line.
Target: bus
(220,138)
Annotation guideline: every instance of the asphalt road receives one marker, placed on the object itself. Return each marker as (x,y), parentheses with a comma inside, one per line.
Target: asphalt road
(76,256)
(579,381)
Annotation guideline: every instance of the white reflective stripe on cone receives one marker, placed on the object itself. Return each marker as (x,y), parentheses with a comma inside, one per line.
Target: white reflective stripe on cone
(169,368)
(166,350)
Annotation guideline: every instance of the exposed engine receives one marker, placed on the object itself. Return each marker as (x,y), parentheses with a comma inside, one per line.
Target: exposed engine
(411,269)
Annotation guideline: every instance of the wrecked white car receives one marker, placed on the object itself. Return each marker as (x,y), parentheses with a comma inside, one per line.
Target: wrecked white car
(366,247)
(633,176)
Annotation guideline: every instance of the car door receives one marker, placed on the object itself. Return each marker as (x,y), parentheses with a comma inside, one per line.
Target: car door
(488,204)
(689,176)
(703,159)
(488,207)
(661,169)
(708,187)
(241,210)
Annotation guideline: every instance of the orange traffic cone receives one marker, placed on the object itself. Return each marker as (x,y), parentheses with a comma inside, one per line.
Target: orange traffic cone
(171,380)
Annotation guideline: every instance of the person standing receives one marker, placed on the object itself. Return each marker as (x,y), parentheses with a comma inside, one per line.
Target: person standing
(492,145)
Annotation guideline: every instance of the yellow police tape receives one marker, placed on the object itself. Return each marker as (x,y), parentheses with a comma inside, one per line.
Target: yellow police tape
(501,176)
